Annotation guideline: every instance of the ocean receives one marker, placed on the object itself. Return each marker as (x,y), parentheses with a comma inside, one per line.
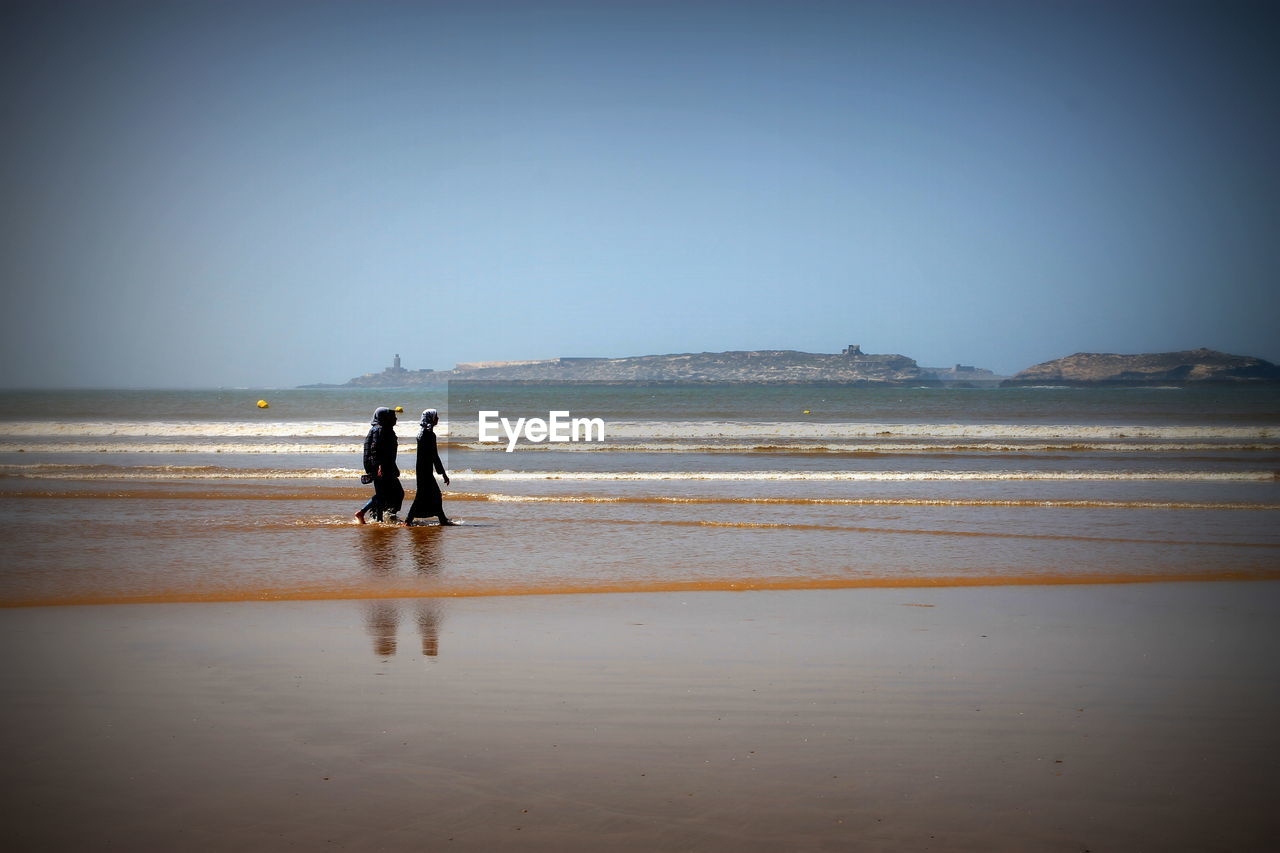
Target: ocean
(117,496)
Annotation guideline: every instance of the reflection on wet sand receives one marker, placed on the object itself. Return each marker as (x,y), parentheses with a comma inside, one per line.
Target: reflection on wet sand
(428,615)
(382,618)
(380,550)
(382,621)
(382,553)
(425,549)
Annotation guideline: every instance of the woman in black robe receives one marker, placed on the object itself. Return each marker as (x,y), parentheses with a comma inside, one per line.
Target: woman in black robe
(380,447)
(428,501)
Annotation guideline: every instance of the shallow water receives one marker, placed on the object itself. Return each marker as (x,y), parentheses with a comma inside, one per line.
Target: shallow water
(171,496)
(240,541)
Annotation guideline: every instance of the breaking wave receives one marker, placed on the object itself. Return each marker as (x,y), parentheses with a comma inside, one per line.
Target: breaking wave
(868,448)
(213,472)
(651,430)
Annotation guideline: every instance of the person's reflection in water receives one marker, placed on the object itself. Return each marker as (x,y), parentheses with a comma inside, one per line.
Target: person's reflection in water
(380,550)
(380,556)
(382,618)
(427,542)
(426,550)
(428,617)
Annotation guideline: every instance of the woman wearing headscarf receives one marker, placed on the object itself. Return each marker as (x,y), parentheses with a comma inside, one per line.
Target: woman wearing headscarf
(380,447)
(428,501)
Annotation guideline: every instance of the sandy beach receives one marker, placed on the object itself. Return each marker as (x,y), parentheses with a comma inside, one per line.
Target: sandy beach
(617,427)
(1122,717)
(971,621)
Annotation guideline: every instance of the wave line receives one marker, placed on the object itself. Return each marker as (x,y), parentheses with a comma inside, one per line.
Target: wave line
(586,587)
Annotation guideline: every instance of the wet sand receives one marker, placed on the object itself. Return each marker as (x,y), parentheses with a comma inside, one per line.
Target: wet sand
(1122,717)
(243,542)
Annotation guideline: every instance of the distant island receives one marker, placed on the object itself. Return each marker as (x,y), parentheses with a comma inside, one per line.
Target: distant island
(850,366)
(1160,368)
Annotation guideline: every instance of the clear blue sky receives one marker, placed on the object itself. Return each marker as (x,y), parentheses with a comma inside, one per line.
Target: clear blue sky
(276,193)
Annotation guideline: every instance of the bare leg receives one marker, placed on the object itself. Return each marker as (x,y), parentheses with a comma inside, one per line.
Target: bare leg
(360,516)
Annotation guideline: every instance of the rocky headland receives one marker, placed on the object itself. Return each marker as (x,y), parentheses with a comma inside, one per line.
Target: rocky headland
(849,367)
(1159,368)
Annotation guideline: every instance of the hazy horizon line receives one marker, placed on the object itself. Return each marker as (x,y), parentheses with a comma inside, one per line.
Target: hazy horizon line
(342,383)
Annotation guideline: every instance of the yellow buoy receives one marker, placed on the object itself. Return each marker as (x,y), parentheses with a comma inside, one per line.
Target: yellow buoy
(263,404)
(806,411)
(400,409)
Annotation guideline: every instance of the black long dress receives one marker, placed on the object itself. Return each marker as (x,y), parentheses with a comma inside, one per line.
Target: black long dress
(380,447)
(428,500)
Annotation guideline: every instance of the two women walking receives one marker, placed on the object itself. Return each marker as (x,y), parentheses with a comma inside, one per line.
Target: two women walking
(380,447)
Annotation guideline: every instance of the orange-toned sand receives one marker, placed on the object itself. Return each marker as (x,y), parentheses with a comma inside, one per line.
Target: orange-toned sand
(463,590)
(1137,717)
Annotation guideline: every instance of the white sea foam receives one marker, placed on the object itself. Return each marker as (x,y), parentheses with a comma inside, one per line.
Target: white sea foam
(174,472)
(182,429)
(873,476)
(974,446)
(152,444)
(648,430)
(107,446)
(847,430)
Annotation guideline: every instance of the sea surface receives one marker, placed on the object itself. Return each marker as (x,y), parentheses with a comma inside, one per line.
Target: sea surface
(203,495)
